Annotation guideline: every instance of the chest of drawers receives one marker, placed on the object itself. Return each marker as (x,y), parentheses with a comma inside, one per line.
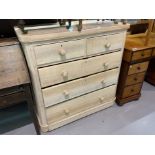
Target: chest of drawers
(74,74)
(135,63)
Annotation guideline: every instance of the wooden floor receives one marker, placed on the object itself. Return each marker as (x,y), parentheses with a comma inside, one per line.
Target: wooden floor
(137,117)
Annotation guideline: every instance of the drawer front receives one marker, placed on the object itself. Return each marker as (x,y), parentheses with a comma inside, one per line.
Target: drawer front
(153,53)
(73,107)
(131,90)
(69,90)
(141,54)
(72,70)
(60,52)
(137,68)
(135,78)
(104,44)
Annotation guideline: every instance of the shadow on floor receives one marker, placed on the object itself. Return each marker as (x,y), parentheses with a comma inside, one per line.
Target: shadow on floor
(14,117)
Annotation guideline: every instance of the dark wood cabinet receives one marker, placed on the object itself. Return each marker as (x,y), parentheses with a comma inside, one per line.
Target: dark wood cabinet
(135,63)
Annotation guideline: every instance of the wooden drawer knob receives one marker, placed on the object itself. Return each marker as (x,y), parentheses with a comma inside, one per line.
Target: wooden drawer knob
(142,54)
(62,52)
(107,45)
(135,79)
(66,93)
(132,90)
(103,83)
(65,74)
(101,99)
(138,68)
(66,111)
(105,65)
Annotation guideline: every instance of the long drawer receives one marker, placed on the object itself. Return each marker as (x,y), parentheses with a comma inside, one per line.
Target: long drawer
(75,88)
(104,44)
(76,69)
(71,108)
(60,52)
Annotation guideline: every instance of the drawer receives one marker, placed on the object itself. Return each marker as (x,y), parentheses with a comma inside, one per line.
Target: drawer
(141,54)
(137,68)
(153,53)
(60,52)
(76,69)
(135,78)
(72,108)
(72,89)
(131,90)
(104,44)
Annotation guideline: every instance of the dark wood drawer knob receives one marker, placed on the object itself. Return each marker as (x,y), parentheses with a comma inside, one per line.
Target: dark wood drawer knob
(138,68)
(135,79)
(142,54)
(132,90)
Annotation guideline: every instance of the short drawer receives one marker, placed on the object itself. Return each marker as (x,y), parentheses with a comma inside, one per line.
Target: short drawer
(76,69)
(137,68)
(72,89)
(131,90)
(60,52)
(141,54)
(153,53)
(78,105)
(135,78)
(104,44)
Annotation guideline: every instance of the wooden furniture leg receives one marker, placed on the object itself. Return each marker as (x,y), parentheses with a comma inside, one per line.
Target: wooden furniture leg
(30,102)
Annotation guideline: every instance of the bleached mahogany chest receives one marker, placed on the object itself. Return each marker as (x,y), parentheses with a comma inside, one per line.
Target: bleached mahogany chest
(74,74)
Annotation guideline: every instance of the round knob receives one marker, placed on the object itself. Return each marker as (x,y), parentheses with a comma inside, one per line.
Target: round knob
(105,65)
(107,45)
(66,111)
(103,82)
(132,90)
(101,99)
(138,68)
(65,74)
(142,54)
(62,52)
(66,93)
(135,79)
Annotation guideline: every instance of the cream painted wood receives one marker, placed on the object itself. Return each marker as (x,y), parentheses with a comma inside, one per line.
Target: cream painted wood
(103,62)
(105,44)
(69,90)
(75,106)
(60,52)
(62,33)
(76,69)
(39,107)
(81,114)
(41,50)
